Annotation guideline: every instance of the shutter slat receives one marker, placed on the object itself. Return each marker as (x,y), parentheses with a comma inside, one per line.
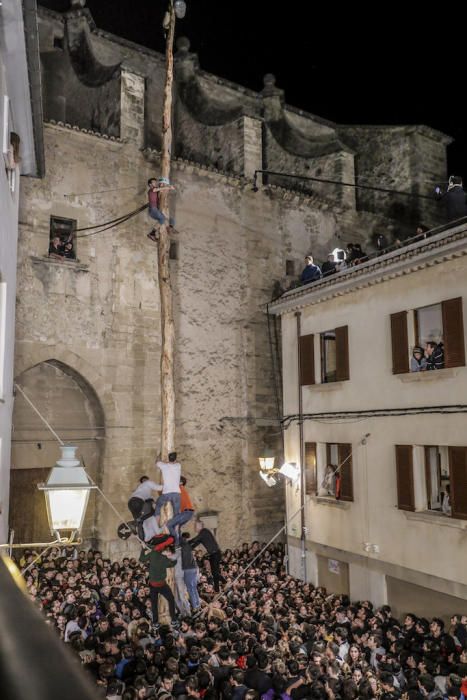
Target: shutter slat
(345,450)
(458,473)
(310,468)
(400,343)
(342,354)
(307,360)
(404,472)
(453,333)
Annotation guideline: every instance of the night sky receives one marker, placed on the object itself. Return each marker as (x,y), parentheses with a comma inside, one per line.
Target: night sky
(350,65)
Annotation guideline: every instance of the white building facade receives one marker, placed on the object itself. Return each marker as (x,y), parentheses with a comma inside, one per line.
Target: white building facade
(384,448)
(20,142)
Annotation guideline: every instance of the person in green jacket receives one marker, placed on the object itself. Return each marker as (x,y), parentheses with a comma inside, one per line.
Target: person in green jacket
(159,561)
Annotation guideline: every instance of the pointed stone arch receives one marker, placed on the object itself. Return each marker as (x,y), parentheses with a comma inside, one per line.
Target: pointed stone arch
(72,406)
(73,364)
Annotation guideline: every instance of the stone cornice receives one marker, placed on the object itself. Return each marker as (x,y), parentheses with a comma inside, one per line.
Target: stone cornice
(89,132)
(296,197)
(422,129)
(191,166)
(56,16)
(442,246)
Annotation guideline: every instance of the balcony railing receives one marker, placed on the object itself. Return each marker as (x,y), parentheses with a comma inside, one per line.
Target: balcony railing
(435,239)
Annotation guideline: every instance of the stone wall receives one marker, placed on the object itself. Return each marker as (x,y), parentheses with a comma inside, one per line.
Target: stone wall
(407,159)
(100,317)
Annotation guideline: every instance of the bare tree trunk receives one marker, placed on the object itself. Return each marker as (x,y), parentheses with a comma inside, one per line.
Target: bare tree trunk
(165,288)
(165,291)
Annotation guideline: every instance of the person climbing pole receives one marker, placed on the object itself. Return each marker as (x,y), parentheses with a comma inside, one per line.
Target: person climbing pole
(155,186)
(186,512)
(141,502)
(171,485)
(160,559)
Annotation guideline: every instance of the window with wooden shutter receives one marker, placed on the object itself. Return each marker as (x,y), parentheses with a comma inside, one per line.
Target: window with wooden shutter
(453,333)
(400,343)
(310,468)
(307,360)
(346,476)
(458,473)
(404,473)
(342,354)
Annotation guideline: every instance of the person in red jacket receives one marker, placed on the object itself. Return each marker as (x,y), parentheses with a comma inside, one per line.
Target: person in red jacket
(159,561)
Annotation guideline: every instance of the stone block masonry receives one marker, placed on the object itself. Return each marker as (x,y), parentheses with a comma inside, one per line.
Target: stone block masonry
(99,321)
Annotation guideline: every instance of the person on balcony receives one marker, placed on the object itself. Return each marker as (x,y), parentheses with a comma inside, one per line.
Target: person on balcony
(454,198)
(311,272)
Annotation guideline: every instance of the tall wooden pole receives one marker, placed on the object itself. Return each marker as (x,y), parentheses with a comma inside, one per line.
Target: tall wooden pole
(165,291)
(165,288)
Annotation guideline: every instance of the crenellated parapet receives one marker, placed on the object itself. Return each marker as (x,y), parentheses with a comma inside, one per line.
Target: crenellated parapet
(102,83)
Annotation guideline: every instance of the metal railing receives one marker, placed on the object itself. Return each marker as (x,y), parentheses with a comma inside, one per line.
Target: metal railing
(409,246)
(34,662)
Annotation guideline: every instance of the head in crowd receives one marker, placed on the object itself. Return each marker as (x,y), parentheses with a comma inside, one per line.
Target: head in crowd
(269,637)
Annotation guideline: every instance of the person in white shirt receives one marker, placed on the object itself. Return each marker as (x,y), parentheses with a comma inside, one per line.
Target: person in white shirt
(171,472)
(140,495)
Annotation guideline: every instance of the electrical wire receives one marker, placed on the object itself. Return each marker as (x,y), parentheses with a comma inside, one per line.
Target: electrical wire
(87,194)
(247,566)
(375,413)
(326,181)
(110,224)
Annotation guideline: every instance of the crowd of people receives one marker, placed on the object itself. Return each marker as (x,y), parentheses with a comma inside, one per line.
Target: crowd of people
(454,199)
(268,637)
(354,255)
(430,357)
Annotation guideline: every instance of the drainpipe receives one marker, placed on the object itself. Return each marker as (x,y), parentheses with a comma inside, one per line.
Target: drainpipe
(298,316)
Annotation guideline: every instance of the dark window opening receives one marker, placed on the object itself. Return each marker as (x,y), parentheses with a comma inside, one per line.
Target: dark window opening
(438,479)
(439,338)
(62,240)
(58,42)
(337,479)
(328,357)
(290,267)
(173,250)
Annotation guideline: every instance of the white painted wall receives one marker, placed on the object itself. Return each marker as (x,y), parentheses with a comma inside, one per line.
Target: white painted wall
(14,85)
(431,545)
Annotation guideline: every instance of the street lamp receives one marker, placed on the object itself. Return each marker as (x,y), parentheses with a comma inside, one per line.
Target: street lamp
(269,480)
(290,470)
(268,472)
(266,461)
(67,494)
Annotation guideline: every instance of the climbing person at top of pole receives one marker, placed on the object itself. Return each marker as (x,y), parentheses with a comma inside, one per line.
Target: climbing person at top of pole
(171,485)
(155,186)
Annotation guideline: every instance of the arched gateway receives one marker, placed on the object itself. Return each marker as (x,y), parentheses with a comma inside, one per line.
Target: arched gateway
(71,406)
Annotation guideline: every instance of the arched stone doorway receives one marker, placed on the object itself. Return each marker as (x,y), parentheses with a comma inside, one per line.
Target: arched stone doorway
(71,406)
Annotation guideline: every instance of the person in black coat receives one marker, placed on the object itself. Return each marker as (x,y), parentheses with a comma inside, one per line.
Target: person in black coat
(209,542)
(328,267)
(454,198)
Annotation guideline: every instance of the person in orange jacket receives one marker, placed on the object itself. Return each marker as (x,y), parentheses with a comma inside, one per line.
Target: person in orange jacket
(186,512)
